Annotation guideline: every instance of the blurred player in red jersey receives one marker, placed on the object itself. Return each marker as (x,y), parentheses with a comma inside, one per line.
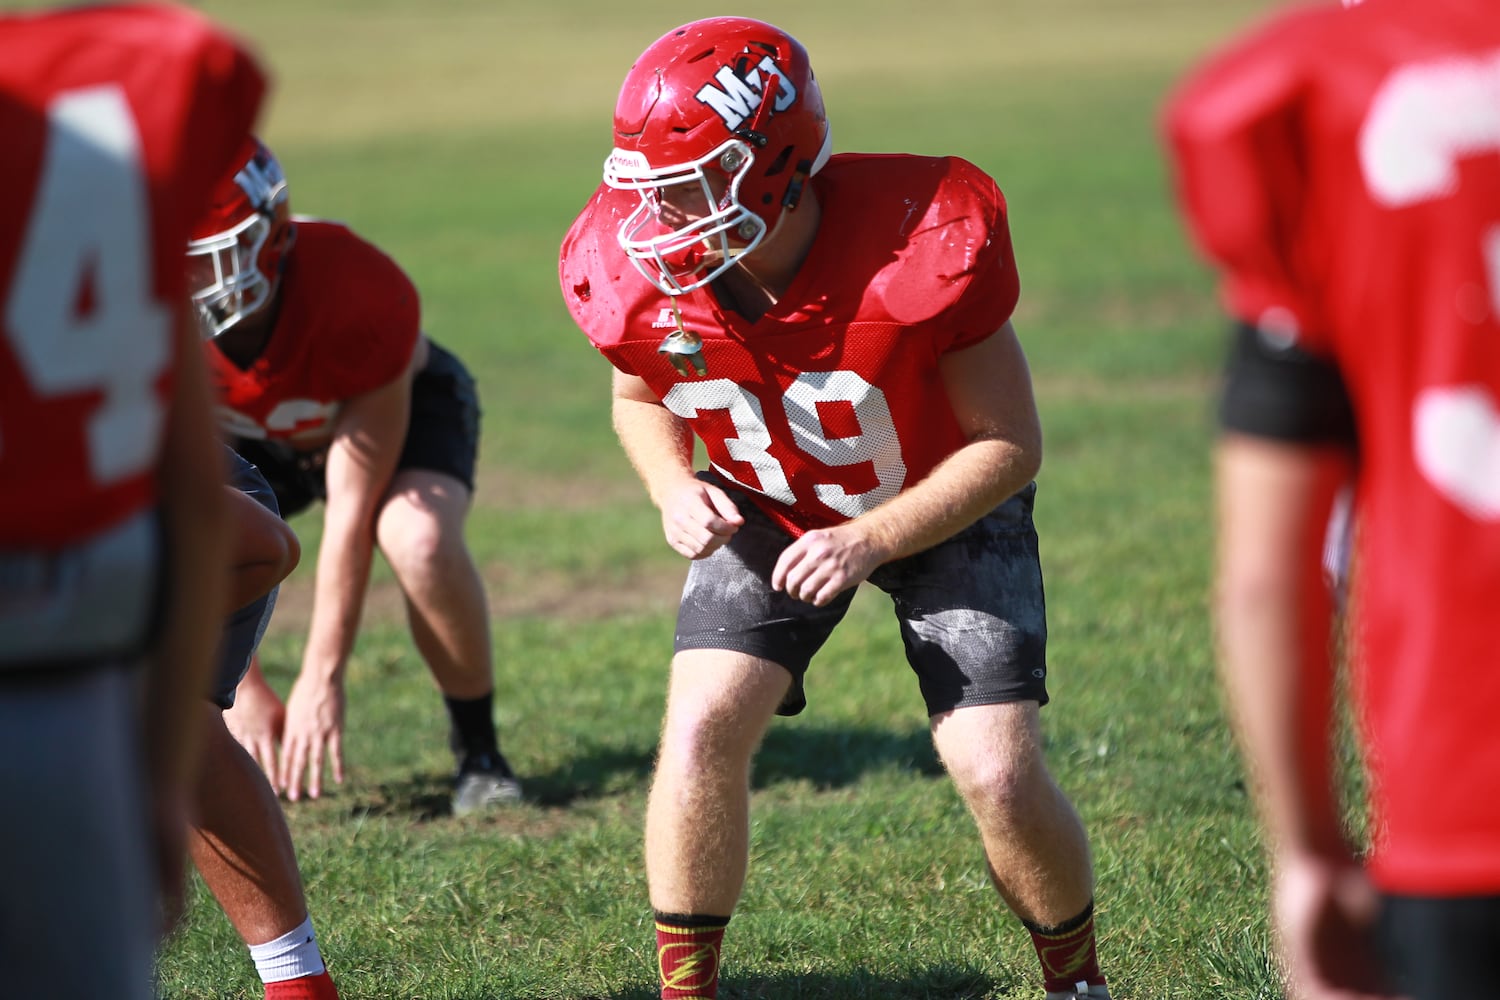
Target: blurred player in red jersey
(327,384)
(835,330)
(117,121)
(1342,169)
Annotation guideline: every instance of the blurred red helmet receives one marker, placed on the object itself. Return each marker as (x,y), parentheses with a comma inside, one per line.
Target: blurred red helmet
(238,248)
(727,106)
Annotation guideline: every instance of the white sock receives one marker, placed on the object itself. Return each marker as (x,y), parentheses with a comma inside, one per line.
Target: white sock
(293,955)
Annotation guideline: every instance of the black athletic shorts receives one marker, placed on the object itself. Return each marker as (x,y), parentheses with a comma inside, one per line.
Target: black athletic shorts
(971,610)
(442,436)
(1441,948)
(244,628)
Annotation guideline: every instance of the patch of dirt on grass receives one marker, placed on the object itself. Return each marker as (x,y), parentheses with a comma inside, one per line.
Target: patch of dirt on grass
(508,489)
(511,595)
(425,799)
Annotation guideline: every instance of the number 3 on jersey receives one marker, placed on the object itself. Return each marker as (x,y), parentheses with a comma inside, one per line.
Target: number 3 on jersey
(876,443)
(79,318)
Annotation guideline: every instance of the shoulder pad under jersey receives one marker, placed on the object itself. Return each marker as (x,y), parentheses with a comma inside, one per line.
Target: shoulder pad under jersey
(1234,127)
(945,220)
(354,307)
(600,286)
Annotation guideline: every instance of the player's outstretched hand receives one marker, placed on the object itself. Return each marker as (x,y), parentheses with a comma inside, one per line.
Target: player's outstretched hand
(1325,913)
(312,737)
(824,563)
(256,721)
(699,517)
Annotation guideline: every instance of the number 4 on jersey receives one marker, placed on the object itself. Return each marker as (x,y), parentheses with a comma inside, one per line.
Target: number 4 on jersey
(79,317)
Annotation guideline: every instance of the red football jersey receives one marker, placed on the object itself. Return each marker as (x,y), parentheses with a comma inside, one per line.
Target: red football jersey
(117,122)
(1343,169)
(348,320)
(831,403)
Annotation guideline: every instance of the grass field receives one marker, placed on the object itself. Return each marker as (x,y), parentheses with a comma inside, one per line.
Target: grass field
(462,135)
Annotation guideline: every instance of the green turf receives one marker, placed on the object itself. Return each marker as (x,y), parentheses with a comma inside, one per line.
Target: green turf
(462,136)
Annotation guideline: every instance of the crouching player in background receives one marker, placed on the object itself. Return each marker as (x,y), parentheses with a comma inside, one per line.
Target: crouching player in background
(328,385)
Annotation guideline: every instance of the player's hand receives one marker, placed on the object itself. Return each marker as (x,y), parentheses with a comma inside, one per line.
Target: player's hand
(1325,911)
(698,518)
(824,563)
(256,722)
(312,738)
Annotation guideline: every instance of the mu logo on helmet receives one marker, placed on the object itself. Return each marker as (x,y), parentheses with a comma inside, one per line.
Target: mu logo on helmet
(743,89)
(262,181)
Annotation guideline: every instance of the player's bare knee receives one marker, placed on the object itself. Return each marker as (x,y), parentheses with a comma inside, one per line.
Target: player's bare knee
(1002,788)
(708,734)
(291,550)
(417,549)
(218,745)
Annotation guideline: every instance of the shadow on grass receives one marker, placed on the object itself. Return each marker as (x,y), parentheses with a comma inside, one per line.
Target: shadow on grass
(942,982)
(827,758)
(421,797)
(833,757)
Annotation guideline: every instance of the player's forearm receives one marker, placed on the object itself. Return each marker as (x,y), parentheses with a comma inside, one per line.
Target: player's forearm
(1273,614)
(657,442)
(1282,705)
(989,388)
(964,488)
(360,463)
(343,574)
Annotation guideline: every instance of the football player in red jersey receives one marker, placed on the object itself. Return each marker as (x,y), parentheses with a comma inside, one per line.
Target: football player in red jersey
(835,331)
(328,385)
(116,121)
(1341,167)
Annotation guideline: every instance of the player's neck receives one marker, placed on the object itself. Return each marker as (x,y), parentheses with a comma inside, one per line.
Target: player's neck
(246,341)
(764,275)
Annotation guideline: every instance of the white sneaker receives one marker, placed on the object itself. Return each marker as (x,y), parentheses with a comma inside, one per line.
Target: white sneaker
(1083,991)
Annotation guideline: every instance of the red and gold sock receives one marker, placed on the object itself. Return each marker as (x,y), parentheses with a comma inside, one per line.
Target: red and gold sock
(1068,952)
(687,955)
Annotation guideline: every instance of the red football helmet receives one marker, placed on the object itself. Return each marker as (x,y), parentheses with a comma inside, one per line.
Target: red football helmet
(238,248)
(727,106)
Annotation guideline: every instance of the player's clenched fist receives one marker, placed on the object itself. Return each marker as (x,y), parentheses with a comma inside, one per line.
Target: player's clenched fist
(822,564)
(698,518)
